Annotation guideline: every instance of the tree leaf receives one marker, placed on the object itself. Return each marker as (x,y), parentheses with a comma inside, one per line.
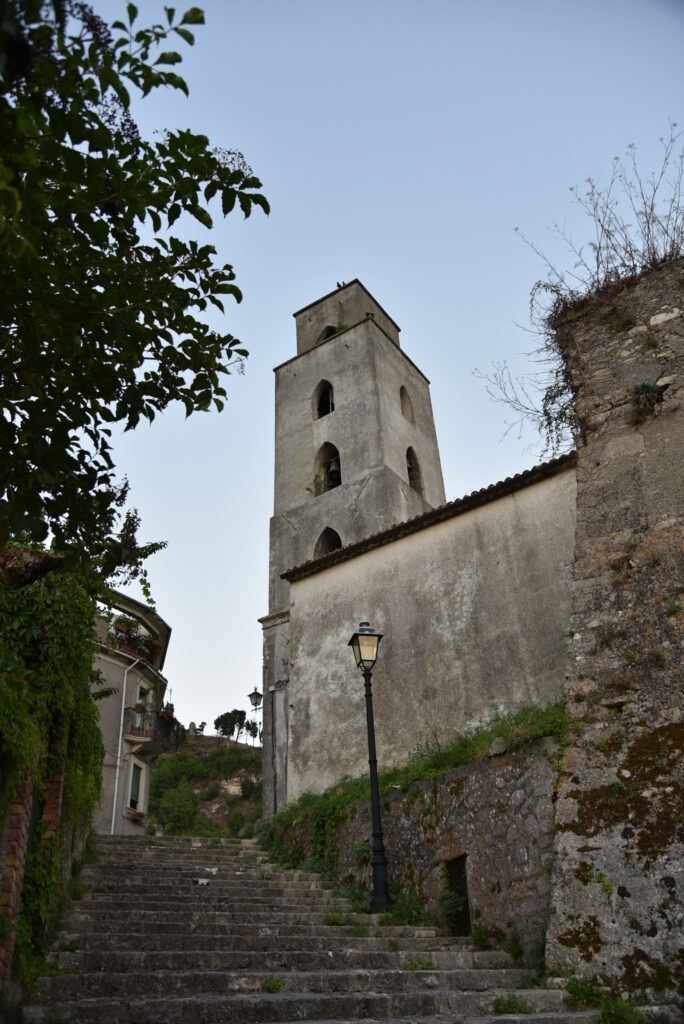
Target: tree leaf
(185,34)
(193,16)
(202,215)
(169,57)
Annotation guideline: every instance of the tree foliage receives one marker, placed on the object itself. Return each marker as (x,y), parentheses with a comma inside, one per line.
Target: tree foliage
(104,318)
(636,223)
(230,722)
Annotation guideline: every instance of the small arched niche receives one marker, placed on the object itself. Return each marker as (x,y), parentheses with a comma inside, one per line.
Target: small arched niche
(324,399)
(406,404)
(327,470)
(326,333)
(415,478)
(328,541)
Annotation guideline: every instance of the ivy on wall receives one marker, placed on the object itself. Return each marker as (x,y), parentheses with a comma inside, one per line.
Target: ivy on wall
(48,719)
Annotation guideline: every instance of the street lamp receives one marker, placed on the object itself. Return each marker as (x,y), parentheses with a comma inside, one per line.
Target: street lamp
(365,644)
(255,699)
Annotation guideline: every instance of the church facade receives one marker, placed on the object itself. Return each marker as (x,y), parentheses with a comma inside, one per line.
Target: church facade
(473,596)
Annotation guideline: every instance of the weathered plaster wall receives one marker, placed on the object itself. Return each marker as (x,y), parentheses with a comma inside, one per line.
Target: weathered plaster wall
(367,370)
(112,672)
(474,611)
(618,885)
(367,427)
(499,812)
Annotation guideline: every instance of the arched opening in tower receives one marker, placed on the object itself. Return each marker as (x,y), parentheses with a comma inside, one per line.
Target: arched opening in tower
(328,541)
(406,404)
(327,470)
(324,399)
(326,333)
(413,470)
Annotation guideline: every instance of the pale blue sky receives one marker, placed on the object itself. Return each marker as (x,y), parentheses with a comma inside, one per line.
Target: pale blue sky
(401,143)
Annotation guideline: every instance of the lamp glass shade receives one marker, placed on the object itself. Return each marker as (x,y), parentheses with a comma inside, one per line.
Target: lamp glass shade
(255,698)
(365,645)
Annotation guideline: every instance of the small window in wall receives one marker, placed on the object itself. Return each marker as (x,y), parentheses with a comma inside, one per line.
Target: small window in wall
(406,404)
(328,541)
(324,399)
(413,470)
(136,787)
(457,885)
(327,472)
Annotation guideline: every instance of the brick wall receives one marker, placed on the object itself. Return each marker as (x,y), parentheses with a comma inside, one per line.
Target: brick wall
(13,850)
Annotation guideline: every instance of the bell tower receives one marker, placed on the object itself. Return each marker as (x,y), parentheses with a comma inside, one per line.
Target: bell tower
(355,452)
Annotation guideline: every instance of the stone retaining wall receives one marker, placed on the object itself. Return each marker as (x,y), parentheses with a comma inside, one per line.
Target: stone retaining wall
(499,812)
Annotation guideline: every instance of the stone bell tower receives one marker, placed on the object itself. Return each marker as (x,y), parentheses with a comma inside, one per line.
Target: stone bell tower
(355,452)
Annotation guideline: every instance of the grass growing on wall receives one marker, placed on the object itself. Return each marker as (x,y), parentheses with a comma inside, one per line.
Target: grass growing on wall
(324,812)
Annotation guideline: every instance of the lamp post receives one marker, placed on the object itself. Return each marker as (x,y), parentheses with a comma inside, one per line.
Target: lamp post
(255,699)
(364,644)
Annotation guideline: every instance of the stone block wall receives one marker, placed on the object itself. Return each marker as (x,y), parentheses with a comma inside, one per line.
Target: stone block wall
(618,879)
(499,812)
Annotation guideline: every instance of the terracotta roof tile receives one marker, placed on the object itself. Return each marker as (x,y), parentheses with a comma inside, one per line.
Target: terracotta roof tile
(436,515)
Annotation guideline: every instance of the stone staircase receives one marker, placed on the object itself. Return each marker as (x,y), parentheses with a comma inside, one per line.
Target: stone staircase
(206,931)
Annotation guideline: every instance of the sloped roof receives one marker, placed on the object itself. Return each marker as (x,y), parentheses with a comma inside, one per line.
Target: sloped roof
(436,515)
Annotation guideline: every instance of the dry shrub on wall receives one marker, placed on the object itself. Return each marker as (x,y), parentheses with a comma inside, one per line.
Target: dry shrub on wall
(636,223)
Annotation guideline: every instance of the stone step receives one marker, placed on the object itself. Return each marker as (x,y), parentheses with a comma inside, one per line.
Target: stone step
(226,924)
(144,862)
(263,939)
(148,853)
(151,874)
(281,1006)
(85,962)
(99,903)
(550,1017)
(220,885)
(155,984)
(126,915)
(106,841)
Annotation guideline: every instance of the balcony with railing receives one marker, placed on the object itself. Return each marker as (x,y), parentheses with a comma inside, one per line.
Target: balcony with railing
(127,636)
(141,723)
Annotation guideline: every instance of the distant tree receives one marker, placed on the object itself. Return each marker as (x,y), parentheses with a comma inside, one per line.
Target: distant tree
(225,724)
(200,728)
(103,314)
(252,730)
(240,720)
(230,722)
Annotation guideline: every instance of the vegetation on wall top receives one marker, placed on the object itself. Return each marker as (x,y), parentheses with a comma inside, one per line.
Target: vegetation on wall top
(636,223)
(324,812)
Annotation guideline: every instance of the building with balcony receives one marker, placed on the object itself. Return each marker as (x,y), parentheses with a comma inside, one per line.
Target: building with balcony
(131,649)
